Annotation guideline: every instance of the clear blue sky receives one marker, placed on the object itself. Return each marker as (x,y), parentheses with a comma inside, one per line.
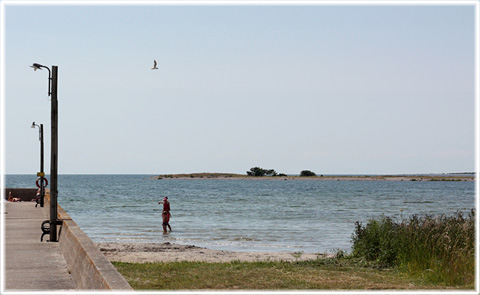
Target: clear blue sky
(333,89)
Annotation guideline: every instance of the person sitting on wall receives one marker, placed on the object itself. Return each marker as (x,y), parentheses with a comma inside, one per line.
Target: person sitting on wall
(11,198)
(37,198)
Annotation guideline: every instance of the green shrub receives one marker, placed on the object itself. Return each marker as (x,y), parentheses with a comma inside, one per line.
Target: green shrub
(440,249)
(307,173)
(378,241)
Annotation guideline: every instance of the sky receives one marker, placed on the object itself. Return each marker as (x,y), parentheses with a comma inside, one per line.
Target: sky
(363,89)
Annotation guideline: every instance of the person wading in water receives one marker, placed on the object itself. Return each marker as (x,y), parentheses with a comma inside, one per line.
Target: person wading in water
(166,214)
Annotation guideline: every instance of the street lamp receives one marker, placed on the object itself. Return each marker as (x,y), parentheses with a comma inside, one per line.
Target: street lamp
(36,67)
(41,173)
(52,91)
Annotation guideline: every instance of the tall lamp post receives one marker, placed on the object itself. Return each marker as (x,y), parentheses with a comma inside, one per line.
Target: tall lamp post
(52,92)
(41,173)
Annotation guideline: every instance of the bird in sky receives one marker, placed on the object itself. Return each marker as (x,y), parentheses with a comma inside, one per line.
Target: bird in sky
(154,65)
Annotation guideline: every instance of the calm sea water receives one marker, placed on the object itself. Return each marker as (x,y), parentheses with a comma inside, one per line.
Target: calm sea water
(245,215)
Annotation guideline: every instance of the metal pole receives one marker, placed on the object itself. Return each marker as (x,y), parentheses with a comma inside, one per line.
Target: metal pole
(42,187)
(54,158)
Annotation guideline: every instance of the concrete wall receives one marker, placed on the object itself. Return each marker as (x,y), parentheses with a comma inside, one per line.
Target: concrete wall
(88,266)
(26,194)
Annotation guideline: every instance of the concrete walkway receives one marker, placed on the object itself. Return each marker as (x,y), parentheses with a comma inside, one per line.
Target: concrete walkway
(31,264)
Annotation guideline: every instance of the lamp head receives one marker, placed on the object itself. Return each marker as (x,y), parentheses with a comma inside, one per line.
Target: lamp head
(36,66)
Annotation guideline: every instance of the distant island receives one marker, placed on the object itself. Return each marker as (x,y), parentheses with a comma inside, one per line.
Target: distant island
(412,177)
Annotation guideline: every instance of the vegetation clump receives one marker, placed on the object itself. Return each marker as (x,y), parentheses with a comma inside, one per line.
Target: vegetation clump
(438,249)
(257,171)
(307,173)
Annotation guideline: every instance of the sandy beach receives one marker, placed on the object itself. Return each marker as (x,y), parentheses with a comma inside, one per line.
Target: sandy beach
(167,252)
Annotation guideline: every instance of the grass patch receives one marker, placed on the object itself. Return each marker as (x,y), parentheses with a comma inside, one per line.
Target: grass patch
(317,274)
(439,250)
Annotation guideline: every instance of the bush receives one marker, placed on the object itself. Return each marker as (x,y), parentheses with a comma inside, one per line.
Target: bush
(441,249)
(257,171)
(379,241)
(307,173)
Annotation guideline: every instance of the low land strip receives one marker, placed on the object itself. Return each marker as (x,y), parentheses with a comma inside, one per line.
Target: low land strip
(413,177)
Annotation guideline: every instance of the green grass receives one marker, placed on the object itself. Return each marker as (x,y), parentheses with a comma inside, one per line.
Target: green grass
(440,249)
(320,274)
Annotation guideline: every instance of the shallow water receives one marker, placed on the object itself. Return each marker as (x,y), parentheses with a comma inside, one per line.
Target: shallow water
(245,215)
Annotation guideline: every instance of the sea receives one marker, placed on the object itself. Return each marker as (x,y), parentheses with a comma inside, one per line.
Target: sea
(267,215)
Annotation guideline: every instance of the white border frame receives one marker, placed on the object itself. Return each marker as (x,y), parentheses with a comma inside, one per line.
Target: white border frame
(474,3)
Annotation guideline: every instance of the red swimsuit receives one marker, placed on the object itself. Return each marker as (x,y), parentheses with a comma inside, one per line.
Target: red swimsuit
(166,207)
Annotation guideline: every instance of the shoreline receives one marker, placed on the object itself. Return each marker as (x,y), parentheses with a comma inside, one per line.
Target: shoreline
(226,176)
(168,252)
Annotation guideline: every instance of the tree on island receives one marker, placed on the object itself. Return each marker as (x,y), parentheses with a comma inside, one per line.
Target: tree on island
(307,173)
(257,171)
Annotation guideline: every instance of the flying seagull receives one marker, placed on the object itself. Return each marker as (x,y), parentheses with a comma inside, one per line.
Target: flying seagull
(154,65)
